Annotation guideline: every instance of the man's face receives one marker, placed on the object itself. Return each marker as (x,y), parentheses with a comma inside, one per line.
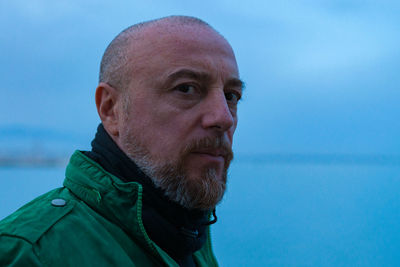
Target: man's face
(180,115)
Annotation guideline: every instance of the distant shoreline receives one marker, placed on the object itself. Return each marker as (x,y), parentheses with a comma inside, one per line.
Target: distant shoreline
(321,159)
(272,159)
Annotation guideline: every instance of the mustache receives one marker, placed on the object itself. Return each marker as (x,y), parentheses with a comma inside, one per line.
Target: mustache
(215,143)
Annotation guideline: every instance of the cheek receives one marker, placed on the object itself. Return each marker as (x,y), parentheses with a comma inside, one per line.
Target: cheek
(166,131)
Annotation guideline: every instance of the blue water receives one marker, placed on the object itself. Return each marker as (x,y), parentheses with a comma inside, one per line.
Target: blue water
(281,215)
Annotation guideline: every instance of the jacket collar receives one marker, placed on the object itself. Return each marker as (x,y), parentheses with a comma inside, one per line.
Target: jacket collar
(117,201)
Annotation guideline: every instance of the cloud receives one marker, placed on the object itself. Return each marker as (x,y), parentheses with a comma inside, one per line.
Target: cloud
(314,37)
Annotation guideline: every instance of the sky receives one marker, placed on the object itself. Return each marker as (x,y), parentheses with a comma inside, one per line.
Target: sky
(321,76)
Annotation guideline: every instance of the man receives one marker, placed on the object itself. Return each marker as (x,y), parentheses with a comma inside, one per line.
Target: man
(143,196)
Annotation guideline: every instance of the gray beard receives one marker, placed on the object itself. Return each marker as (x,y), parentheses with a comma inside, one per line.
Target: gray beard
(202,193)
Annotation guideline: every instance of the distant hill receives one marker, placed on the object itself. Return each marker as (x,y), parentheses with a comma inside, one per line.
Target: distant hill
(20,132)
(26,145)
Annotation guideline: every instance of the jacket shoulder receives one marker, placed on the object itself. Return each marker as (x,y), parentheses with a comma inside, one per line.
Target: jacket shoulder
(34,219)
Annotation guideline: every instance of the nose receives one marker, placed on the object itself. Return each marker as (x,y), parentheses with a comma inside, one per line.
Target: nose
(217,114)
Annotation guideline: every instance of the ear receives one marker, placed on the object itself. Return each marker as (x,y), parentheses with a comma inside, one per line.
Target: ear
(107,107)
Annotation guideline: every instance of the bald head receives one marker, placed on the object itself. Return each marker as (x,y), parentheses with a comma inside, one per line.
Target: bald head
(116,64)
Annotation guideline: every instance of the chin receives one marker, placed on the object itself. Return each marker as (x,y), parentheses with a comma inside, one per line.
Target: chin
(212,173)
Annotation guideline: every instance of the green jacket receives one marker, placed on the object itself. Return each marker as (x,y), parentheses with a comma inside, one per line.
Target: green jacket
(94,220)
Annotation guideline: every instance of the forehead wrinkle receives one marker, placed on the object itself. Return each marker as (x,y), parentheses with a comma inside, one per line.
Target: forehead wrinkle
(191,74)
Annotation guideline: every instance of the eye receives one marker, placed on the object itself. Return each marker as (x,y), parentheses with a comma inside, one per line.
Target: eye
(186,88)
(232,97)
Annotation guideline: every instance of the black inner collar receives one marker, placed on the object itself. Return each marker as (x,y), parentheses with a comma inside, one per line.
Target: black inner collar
(178,231)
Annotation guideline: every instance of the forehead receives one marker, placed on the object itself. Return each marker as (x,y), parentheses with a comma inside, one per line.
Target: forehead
(165,47)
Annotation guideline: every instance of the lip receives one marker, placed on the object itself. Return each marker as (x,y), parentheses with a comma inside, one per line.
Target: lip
(211,152)
(212,155)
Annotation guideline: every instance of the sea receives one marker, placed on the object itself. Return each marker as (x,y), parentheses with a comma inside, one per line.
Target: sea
(280,214)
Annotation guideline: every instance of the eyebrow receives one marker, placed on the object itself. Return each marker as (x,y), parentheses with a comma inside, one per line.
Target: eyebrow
(202,76)
(235,82)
